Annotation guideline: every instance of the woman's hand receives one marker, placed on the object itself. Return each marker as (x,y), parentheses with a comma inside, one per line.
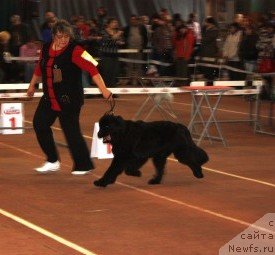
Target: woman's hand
(31,90)
(107,94)
(35,79)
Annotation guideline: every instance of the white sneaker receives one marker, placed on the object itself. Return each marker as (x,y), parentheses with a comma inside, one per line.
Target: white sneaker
(49,167)
(80,172)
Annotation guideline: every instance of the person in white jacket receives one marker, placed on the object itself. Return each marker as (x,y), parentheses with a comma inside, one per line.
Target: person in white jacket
(231,50)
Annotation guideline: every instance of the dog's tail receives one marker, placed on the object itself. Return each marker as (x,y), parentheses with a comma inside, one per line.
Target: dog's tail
(198,154)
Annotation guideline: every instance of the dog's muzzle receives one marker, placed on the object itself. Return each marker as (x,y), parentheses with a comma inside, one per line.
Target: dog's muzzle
(107,139)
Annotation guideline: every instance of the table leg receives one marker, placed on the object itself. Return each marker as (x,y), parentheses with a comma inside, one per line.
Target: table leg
(141,108)
(196,111)
(212,117)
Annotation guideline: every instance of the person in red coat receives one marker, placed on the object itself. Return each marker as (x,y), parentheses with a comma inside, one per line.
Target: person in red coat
(184,42)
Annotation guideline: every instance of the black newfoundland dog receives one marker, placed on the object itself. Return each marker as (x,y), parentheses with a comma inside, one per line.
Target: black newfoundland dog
(134,142)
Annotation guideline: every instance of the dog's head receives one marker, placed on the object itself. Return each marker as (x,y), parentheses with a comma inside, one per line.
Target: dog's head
(109,126)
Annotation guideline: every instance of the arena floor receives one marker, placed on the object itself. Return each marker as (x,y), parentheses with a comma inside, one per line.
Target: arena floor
(64,214)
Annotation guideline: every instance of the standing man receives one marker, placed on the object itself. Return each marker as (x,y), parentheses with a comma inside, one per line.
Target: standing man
(60,65)
(135,38)
(209,46)
(46,28)
(20,34)
(162,45)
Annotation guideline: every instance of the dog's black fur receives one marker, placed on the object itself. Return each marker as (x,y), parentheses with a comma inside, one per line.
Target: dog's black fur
(134,142)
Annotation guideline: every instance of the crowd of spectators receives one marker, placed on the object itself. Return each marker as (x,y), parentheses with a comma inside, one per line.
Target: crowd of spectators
(173,40)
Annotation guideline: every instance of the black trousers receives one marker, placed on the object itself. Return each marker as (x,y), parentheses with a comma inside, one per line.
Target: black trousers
(236,76)
(43,119)
(181,66)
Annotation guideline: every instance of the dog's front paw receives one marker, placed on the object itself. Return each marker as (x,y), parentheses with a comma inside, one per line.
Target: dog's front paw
(100,183)
(154,181)
(198,174)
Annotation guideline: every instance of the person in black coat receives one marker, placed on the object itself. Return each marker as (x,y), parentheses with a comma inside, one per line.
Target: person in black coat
(209,47)
(248,51)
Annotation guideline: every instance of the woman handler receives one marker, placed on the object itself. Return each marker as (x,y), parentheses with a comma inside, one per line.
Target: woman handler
(60,66)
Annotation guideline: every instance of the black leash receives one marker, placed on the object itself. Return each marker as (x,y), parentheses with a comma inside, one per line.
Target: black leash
(112,103)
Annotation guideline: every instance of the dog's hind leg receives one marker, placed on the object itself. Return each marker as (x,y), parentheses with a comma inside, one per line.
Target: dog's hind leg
(159,163)
(184,158)
(134,165)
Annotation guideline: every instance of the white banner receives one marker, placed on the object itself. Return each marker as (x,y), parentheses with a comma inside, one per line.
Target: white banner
(99,149)
(12,118)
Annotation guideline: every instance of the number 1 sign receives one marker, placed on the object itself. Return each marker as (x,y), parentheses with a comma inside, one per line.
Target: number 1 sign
(12,118)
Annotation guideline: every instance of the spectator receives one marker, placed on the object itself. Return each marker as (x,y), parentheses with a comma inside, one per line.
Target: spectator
(265,44)
(30,49)
(247,22)
(231,50)
(210,33)
(209,47)
(162,45)
(5,67)
(101,13)
(76,31)
(248,51)
(112,39)
(184,42)
(164,14)
(20,34)
(146,22)
(10,70)
(94,38)
(232,42)
(239,18)
(91,44)
(266,62)
(177,20)
(155,22)
(195,26)
(46,28)
(83,28)
(272,18)
(135,35)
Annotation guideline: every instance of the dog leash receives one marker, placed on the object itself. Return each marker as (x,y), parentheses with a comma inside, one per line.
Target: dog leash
(112,104)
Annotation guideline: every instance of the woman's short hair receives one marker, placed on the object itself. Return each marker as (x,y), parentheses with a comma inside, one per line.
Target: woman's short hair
(64,27)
